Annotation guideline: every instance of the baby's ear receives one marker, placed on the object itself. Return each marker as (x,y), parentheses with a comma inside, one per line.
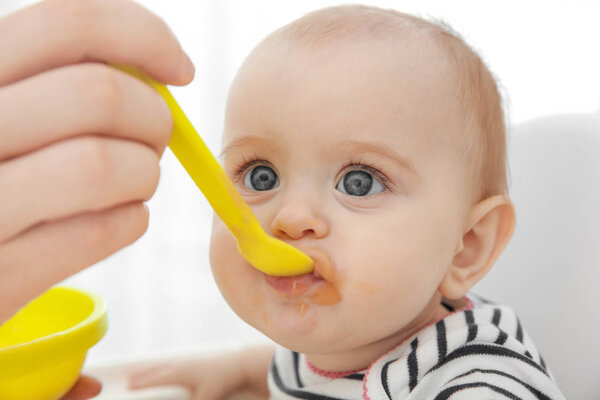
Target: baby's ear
(491,224)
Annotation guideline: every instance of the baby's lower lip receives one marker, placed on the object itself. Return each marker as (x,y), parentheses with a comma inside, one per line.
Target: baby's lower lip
(293,285)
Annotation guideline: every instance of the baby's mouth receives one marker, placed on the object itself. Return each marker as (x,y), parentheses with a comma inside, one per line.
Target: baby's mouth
(298,285)
(292,285)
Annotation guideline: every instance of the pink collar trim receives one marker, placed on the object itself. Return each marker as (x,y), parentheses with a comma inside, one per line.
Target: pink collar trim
(329,374)
(335,375)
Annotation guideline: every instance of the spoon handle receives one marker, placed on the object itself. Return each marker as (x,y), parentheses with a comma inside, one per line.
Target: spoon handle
(206,172)
(265,253)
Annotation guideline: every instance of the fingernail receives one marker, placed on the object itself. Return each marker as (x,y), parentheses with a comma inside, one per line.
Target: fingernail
(188,67)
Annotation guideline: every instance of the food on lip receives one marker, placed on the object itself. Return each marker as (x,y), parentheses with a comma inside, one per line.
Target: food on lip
(293,285)
(323,281)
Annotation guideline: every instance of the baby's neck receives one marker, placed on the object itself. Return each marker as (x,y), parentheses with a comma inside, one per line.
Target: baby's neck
(361,358)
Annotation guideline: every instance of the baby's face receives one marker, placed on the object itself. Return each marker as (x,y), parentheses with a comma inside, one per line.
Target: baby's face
(344,151)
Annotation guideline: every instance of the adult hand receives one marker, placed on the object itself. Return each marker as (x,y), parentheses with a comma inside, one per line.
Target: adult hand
(219,376)
(85,388)
(80,141)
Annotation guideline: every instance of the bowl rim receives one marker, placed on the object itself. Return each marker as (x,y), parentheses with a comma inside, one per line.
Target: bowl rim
(73,341)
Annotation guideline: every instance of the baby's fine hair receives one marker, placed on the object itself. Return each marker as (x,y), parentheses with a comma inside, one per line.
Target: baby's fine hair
(483,147)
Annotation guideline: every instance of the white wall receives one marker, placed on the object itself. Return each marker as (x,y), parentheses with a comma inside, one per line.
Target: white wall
(160,292)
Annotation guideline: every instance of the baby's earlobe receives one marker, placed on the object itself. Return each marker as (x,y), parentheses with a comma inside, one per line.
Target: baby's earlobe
(450,287)
(491,227)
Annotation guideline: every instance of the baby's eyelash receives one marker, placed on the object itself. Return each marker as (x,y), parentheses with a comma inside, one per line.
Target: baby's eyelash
(364,166)
(246,163)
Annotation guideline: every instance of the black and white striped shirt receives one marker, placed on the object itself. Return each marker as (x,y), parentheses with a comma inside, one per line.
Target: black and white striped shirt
(479,352)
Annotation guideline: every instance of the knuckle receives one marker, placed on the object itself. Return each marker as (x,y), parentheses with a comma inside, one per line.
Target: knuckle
(101,84)
(96,162)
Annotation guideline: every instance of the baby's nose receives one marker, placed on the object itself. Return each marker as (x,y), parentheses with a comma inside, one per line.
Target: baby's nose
(297,219)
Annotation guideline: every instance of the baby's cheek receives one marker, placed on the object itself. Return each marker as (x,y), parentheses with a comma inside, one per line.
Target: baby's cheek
(234,276)
(236,279)
(223,254)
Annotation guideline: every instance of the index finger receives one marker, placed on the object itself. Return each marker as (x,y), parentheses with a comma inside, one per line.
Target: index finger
(54,33)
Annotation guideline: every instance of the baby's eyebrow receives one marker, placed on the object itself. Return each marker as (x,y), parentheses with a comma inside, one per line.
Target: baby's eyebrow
(385,151)
(351,145)
(259,141)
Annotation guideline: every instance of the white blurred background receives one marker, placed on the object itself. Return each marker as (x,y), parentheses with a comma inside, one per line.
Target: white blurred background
(160,291)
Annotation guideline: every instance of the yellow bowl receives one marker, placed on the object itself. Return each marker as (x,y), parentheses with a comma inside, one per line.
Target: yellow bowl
(44,345)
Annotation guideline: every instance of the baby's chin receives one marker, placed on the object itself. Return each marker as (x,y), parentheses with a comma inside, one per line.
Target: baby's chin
(296,325)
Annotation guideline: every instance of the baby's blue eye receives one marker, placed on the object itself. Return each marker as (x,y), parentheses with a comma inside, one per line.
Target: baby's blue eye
(261,178)
(359,183)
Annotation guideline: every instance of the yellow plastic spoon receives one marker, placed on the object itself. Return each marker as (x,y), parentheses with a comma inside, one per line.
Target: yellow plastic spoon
(265,253)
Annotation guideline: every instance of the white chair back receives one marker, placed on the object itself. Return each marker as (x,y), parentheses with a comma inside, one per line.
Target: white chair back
(550,270)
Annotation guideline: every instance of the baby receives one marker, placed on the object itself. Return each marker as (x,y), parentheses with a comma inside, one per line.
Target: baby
(374,141)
